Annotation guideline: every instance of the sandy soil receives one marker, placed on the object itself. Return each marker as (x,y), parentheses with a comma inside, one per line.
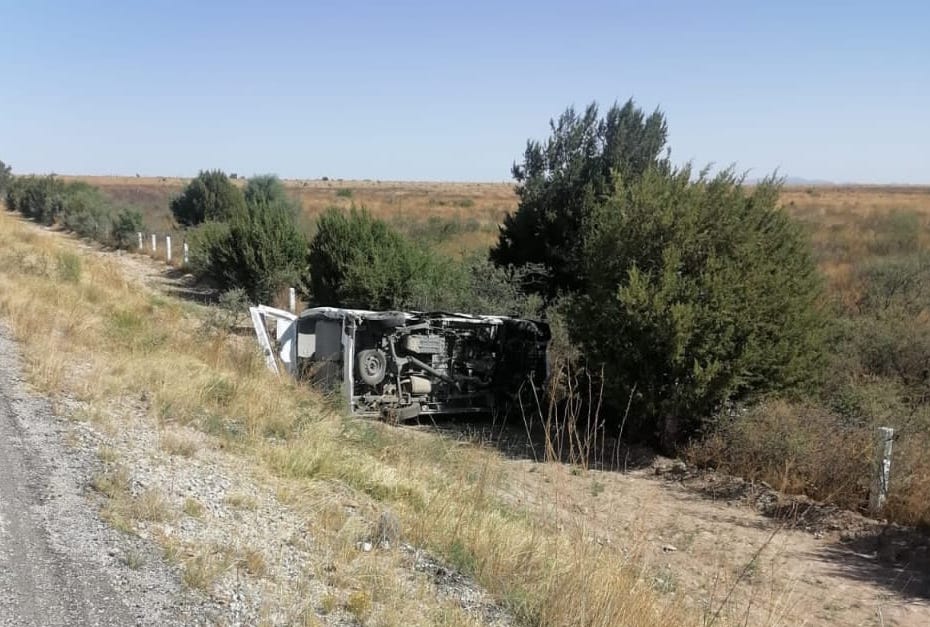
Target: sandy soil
(709,539)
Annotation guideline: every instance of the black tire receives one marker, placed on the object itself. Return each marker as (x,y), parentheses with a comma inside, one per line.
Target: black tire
(371,365)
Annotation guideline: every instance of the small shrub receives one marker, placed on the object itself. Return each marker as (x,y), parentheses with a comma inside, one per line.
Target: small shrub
(125,226)
(328,602)
(177,444)
(150,506)
(253,562)
(202,570)
(209,196)
(344,192)
(799,448)
(134,559)
(262,252)
(240,500)
(201,242)
(69,267)
(193,508)
(6,177)
(112,483)
(359,605)
(358,261)
(267,189)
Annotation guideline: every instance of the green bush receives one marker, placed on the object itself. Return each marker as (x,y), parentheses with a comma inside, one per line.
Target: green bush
(202,240)
(699,293)
(126,224)
(261,251)
(210,196)
(6,177)
(268,189)
(561,182)
(86,212)
(40,198)
(358,261)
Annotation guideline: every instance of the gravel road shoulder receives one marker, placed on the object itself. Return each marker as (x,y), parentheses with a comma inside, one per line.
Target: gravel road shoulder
(60,564)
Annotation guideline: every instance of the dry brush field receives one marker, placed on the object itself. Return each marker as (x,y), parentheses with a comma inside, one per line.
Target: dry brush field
(843,220)
(287,491)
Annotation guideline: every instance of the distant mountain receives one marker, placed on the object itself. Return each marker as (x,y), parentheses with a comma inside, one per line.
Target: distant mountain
(800,181)
(797,181)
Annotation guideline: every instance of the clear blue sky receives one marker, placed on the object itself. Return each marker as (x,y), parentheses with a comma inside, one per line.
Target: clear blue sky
(452,91)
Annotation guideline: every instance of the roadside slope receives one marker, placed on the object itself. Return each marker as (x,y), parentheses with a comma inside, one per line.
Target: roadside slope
(58,565)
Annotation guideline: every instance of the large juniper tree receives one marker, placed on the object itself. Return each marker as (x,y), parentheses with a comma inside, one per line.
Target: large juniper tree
(562,179)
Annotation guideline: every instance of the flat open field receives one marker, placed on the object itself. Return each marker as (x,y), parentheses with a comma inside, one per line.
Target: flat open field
(489,201)
(847,223)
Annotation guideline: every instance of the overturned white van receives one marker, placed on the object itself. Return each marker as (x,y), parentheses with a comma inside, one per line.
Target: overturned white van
(399,365)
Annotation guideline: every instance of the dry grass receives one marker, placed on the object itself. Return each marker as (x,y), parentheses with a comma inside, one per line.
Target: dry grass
(205,566)
(841,218)
(133,343)
(192,507)
(253,562)
(175,443)
(241,501)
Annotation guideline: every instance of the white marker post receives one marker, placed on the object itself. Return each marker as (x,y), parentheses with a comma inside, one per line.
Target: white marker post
(168,248)
(154,245)
(187,254)
(884,438)
(292,300)
(140,239)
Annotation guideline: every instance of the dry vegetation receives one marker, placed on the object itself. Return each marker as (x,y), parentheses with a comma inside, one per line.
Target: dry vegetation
(131,344)
(842,218)
(118,342)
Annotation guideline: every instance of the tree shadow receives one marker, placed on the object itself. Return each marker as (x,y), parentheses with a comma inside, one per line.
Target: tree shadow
(892,557)
(184,285)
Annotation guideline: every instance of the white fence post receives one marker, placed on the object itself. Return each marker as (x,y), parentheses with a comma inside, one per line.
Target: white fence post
(140,239)
(154,245)
(292,300)
(884,438)
(168,248)
(187,254)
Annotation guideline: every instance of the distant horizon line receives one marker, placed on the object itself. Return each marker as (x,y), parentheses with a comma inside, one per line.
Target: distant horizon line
(789,181)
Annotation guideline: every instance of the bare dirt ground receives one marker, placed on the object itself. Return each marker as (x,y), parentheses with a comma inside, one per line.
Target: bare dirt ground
(738,550)
(734,550)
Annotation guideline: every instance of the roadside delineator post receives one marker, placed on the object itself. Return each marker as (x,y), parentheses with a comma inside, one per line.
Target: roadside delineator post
(878,494)
(140,239)
(187,254)
(154,244)
(168,248)
(292,300)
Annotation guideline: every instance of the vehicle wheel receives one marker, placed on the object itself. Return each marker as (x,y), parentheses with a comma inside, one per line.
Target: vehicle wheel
(371,365)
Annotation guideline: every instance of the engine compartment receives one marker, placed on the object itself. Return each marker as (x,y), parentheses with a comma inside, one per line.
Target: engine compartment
(399,365)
